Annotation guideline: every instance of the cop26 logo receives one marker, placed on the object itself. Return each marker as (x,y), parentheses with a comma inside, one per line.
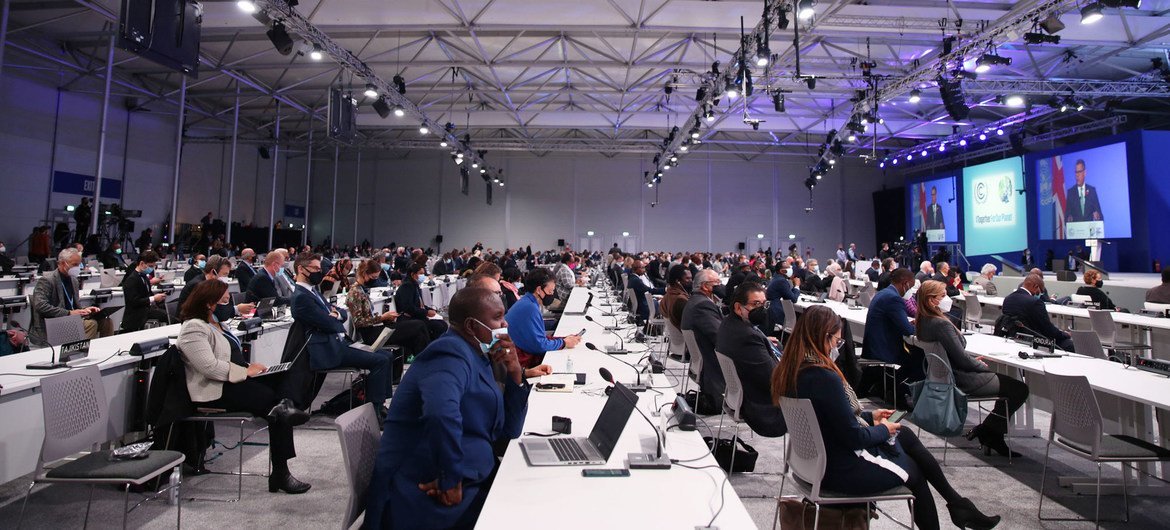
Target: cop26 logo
(1005,189)
(981,192)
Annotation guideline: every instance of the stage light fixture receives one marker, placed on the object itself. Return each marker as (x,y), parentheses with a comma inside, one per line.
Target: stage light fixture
(942,148)
(924,153)
(443,143)
(915,96)
(673,159)
(894,161)
(963,142)
(1079,105)
(909,157)
(423,129)
(695,132)
(851,138)
(1091,13)
(882,164)
(1135,4)
(762,52)
(371,91)
(999,132)
(960,73)
(399,111)
(457,160)
(1040,38)
(710,116)
(280,38)
(778,102)
(832,161)
(247,6)
(982,137)
(474,165)
(811,82)
(316,54)
(1014,100)
(400,83)
(987,60)
(782,20)
(482,170)
(381,107)
(804,9)
(683,148)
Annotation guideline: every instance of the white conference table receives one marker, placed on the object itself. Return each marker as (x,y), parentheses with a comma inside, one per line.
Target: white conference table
(674,498)
(1129,398)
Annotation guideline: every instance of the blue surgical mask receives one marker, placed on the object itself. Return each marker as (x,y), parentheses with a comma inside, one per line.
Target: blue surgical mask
(422,278)
(201,264)
(485,348)
(386,267)
(148,271)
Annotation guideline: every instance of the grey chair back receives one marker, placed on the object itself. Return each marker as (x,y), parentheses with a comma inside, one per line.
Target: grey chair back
(806,449)
(938,367)
(1076,416)
(652,306)
(63,330)
(789,315)
(1086,342)
(1102,323)
(74,405)
(173,311)
(865,298)
(239,298)
(733,399)
(973,309)
(674,337)
(696,354)
(359,433)
(628,298)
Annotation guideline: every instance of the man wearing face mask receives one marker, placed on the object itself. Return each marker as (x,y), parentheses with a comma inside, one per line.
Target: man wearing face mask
(526,325)
(755,356)
(141,303)
(1026,306)
(702,317)
(196,269)
(781,288)
(463,394)
(217,268)
(57,294)
(328,347)
(245,268)
(111,257)
(886,323)
(409,302)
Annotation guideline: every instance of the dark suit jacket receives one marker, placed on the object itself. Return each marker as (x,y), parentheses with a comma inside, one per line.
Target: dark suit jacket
(325,333)
(883,280)
(701,316)
(262,286)
(934,217)
(440,268)
(951,291)
(1072,201)
(49,301)
(873,275)
(640,289)
(244,274)
(192,273)
(780,289)
(1030,312)
(885,325)
(754,362)
(136,290)
(408,300)
(189,288)
(970,375)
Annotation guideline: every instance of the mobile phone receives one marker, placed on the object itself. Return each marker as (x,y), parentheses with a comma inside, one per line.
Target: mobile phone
(580,333)
(605,472)
(549,386)
(897,416)
(580,379)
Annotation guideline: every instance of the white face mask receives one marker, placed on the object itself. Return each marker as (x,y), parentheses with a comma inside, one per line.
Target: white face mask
(945,304)
(910,293)
(74,271)
(833,353)
(3,249)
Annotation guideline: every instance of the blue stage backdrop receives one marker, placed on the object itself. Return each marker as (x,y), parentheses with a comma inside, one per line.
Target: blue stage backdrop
(1084,194)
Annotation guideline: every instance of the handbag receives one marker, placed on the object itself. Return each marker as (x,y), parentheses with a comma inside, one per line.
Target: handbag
(802,515)
(702,404)
(723,449)
(940,408)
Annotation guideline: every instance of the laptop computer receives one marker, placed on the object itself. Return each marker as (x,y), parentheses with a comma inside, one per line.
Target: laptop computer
(378,343)
(275,369)
(265,310)
(105,312)
(580,451)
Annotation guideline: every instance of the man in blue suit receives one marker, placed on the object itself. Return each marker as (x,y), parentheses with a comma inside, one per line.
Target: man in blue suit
(641,285)
(780,289)
(435,462)
(328,347)
(885,325)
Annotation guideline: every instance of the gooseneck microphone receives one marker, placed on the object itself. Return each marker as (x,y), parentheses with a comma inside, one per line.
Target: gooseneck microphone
(655,460)
(605,374)
(621,349)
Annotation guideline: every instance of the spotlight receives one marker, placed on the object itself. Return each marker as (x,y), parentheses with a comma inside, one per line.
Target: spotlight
(778,102)
(1091,13)
(942,148)
(882,164)
(382,108)
(501,183)
(999,132)
(924,153)
(915,96)
(851,138)
(695,132)
(894,161)
(371,91)
(811,82)
(458,160)
(909,157)
(400,83)
(1079,105)
(1040,38)
(247,6)
(960,73)
(963,142)
(683,148)
(474,165)
(762,52)
(280,38)
(782,20)
(482,170)
(316,54)
(1135,4)
(987,60)
(399,111)
(982,137)
(832,161)
(423,129)
(443,143)
(804,9)
(710,116)
(732,93)
(673,159)
(1014,100)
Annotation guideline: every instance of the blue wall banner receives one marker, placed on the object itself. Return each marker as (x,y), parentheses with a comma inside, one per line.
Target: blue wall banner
(78,184)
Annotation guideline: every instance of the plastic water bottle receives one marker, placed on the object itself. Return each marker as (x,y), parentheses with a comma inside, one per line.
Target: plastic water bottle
(569,364)
(173,491)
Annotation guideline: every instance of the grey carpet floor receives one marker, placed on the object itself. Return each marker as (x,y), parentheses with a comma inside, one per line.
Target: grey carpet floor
(994,486)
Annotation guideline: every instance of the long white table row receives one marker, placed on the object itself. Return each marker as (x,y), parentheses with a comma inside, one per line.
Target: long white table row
(675,498)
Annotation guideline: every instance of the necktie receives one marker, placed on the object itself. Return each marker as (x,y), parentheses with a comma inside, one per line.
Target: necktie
(1082,199)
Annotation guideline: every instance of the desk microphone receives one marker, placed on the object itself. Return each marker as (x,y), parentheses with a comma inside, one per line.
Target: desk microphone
(605,373)
(1026,355)
(655,460)
(621,349)
(589,304)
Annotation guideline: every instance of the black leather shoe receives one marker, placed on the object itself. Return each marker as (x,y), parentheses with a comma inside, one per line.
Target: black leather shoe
(287,412)
(289,484)
(964,514)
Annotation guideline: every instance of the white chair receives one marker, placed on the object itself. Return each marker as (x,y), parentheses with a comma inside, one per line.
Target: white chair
(63,330)
(695,366)
(1157,309)
(789,318)
(1102,323)
(1087,342)
(805,461)
(675,344)
(1081,299)
(732,401)
(938,370)
(359,431)
(973,310)
(656,323)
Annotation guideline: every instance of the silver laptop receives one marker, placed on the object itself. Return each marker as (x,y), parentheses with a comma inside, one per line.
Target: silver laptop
(585,451)
(378,343)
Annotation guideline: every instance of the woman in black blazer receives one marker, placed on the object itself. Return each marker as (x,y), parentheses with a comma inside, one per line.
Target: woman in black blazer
(408,301)
(860,458)
(971,376)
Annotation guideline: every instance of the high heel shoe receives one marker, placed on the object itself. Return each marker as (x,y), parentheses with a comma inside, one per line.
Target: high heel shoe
(287,412)
(991,441)
(964,514)
(289,484)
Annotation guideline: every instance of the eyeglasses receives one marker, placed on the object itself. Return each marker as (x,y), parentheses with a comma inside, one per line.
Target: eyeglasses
(765,304)
(838,341)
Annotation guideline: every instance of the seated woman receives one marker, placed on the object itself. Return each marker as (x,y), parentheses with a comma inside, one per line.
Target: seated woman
(860,461)
(411,334)
(972,376)
(510,283)
(1092,289)
(337,279)
(435,462)
(526,325)
(409,302)
(219,377)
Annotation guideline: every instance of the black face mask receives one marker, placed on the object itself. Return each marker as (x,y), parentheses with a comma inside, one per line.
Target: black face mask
(758,317)
(315,278)
(224,312)
(686,286)
(1099,284)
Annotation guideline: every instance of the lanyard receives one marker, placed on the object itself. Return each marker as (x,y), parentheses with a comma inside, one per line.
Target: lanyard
(229,336)
(68,296)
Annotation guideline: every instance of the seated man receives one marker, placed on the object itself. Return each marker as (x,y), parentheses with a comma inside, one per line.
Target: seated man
(641,285)
(141,303)
(985,279)
(1030,314)
(780,289)
(526,325)
(755,356)
(328,346)
(886,323)
(57,294)
(111,257)
(245,268)
(874,271)
(702,317)
(678,290)
(263,284)
(196,269)
(1161,293)
(925,271)
(942,275)
(217,268)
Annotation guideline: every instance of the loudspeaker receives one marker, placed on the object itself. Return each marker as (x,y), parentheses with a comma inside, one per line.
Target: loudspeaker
(439,238)
(1017,141)
(560,242)
(952,96)
(741,245)
(1066,276)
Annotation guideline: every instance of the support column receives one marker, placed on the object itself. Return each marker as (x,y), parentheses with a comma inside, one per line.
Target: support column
(357,196)
(333,220)
(232,179)
(178,159)
(275,160)
(95,210)
(308,186)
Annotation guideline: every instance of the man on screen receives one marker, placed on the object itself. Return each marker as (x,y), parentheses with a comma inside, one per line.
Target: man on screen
(1081,200)
(934,215)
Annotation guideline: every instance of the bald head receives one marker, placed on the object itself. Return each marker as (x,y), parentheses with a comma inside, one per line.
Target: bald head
(484,281)
(1034,283)
(248,255)
(478,303)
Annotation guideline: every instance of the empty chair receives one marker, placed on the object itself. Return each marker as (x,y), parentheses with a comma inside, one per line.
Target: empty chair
(1106,328)
(1077,428)
(789,317)
(656,322)
(973,310)
(63,330)
(76,421)
(359,432)
(695,368)
(676,345)
(865,298)
(1086,342)
(732,399)
(805,461)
